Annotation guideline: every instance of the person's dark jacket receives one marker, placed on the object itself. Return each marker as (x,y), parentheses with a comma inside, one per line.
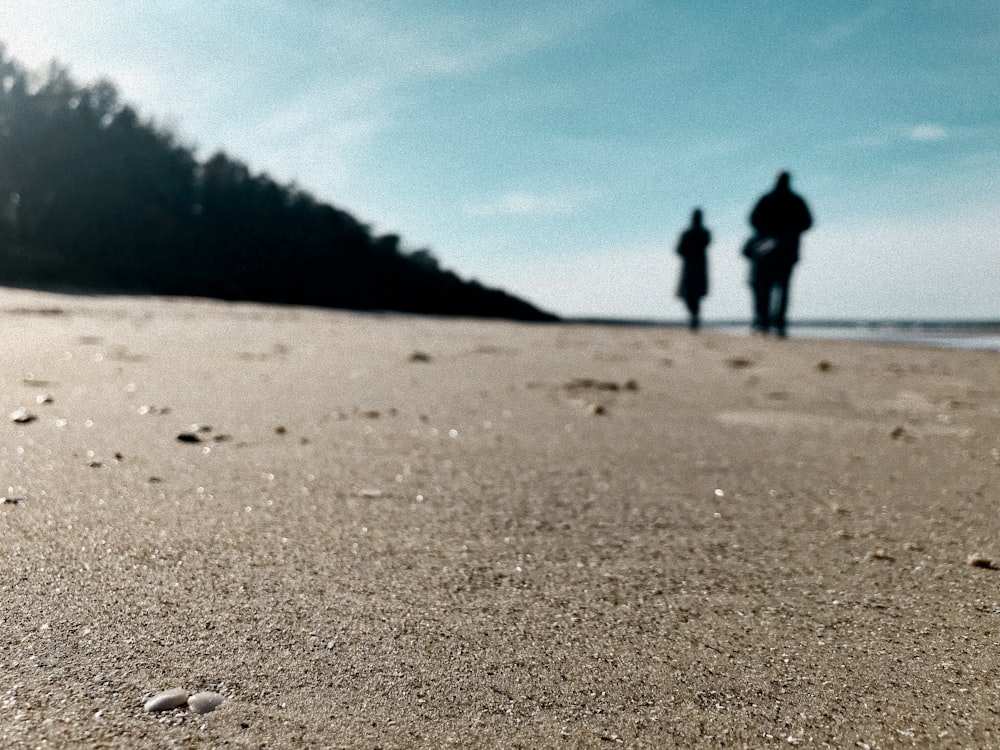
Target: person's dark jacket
(783,215)
(694,274)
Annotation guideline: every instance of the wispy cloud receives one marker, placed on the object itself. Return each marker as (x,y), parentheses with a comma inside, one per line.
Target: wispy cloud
(172,51)
(527,203)
(851,26)
(894,135)
(407,45)
(927,131)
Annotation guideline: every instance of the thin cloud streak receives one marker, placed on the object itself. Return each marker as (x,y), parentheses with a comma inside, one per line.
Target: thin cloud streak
(526,203)
(894,135)
(927,131)
(849,29)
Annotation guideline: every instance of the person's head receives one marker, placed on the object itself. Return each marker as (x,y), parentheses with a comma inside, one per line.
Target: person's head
(696,218)
(784,181)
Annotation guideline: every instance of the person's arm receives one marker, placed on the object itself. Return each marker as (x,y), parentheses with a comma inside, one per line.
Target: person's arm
(682,245)
(807,220)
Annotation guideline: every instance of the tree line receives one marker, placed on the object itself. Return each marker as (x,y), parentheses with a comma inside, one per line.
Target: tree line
(95,198)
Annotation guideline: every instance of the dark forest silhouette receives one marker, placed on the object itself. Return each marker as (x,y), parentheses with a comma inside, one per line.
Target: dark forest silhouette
(94,198)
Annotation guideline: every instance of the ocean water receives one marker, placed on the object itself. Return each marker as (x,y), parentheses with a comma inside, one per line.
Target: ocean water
(981,336)
(972,335)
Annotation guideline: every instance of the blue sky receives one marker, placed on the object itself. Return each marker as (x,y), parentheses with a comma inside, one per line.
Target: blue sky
(556,149)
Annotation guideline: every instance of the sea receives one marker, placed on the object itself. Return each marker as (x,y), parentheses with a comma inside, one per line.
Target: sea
(978,335)
(972,335)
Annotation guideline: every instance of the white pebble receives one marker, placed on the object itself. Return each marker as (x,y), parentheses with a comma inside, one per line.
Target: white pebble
(202,703)
(22,416)
(166,700)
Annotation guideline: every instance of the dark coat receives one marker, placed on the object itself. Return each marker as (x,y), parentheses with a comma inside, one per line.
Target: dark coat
(783,215)
(694,273)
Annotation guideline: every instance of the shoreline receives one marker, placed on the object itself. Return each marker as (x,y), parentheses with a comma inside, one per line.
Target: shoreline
(972,334)
(983,335)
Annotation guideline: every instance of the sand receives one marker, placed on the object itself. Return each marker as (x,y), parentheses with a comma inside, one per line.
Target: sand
(388,531)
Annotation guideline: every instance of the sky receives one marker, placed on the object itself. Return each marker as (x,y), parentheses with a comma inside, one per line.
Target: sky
(557,149)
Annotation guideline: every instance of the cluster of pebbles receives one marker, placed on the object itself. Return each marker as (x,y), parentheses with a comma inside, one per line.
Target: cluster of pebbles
(199,703)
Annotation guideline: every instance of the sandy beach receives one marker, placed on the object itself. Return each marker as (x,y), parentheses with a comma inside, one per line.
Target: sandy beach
(378,531)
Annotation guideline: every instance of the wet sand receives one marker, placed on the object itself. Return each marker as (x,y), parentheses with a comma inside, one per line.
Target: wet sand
(383,531)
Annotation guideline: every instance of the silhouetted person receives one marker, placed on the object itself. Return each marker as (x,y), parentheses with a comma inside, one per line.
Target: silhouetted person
(781,216)
(694,271)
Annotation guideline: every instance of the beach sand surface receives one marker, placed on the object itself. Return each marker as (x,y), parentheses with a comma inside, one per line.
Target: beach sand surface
(381,531)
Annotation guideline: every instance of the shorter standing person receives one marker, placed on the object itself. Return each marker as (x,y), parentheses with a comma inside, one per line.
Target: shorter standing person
(779,218)
(694,270)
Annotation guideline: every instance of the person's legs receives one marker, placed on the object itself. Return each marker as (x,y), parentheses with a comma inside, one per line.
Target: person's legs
(762,284)
(780,308)
(694,308)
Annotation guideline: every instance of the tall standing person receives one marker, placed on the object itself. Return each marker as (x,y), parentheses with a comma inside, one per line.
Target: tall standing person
(779,218)
(694,270)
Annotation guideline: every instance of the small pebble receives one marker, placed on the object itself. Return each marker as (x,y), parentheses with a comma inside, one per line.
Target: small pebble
(166,700)
(204,702)
(880,554)
(160,410)
(979,561)
(22,416)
